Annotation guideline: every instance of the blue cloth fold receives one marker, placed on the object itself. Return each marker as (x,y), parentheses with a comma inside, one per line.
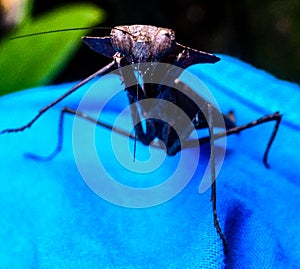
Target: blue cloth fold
(50,218)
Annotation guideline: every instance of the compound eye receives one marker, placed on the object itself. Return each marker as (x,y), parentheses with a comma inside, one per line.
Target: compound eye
(121,40)
(163,41)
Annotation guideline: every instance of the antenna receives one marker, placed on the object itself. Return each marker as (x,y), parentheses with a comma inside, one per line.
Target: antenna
(66,30)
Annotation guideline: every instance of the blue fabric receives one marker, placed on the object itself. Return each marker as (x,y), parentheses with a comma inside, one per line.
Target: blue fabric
(50,218)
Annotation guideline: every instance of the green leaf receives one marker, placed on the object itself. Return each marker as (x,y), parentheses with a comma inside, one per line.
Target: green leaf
(26,10)
(32,61)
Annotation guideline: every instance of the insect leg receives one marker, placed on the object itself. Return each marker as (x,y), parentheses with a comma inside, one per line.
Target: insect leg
(213,178)
(59,145)
(271,117)
(100,72)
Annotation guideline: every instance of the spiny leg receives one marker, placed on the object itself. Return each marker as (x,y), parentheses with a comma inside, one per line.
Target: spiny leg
(213,178)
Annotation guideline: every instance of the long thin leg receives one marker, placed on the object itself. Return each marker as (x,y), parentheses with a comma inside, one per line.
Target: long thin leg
(100,72)
(59,145)
(213,178)
(271,117)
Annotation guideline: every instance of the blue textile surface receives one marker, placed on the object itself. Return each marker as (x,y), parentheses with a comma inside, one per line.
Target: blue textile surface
(50,218)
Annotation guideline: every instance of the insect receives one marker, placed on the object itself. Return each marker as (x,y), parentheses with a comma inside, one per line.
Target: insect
(140,47)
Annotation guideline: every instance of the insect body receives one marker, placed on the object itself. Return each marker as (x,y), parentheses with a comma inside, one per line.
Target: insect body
(140,48)
(148,45)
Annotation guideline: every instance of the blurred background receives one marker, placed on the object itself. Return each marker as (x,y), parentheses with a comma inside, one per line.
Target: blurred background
(263,33)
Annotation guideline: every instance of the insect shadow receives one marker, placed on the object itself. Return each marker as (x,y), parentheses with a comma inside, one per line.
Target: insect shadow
(132,46)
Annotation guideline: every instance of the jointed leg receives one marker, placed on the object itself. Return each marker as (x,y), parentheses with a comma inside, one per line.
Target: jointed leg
(213,179)
(58,148)
(100,72)
(271,117)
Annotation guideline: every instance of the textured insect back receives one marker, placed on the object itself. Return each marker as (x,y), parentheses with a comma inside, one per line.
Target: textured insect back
(163,41)
(142,42)
(121,40)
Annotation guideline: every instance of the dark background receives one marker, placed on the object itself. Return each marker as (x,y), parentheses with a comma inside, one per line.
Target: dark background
(263,33)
